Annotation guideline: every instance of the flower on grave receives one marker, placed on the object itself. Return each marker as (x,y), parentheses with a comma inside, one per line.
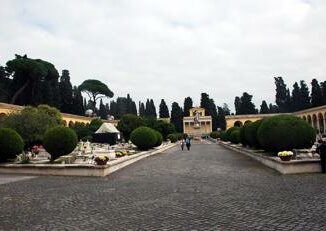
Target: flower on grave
(101,158)
(285,153)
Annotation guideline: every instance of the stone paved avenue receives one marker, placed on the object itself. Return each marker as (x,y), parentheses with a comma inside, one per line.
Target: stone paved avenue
(208,188)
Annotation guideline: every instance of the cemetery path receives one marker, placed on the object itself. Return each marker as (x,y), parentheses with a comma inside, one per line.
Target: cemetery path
(207,188)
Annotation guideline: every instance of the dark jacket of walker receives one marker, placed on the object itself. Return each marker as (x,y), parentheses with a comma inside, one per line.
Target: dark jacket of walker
(322,152)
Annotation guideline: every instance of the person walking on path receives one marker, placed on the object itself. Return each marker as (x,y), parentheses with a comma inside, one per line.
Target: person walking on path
(188,144)
(182,143)
(321,149)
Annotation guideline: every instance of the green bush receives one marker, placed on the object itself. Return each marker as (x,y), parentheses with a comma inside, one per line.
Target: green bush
(143,137)
(129,123)
(235,137)
(223,136)
(159,138)
(95,124)
(32,123)
(172,137)
(285,132)
(11,144)
(59,141)
(229,131)
(215,135)
(251,133)
(82,130)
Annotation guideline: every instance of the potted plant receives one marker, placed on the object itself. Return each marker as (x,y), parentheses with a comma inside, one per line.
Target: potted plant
(285,155)
(101,160)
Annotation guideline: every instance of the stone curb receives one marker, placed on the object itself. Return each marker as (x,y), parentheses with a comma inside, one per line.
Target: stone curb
(283,167)
(79,169)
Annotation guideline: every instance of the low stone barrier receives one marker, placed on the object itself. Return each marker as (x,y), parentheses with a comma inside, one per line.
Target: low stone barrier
(284,167)
(79,169)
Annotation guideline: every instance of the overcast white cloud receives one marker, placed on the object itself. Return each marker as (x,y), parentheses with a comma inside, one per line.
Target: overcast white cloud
(172,49)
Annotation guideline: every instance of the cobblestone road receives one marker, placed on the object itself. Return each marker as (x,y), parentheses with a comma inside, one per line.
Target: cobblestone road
(208,188)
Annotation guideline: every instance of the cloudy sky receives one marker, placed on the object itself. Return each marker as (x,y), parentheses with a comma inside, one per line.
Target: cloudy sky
(172,49)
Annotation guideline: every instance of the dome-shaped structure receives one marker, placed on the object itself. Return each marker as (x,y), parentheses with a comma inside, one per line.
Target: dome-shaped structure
(89,112)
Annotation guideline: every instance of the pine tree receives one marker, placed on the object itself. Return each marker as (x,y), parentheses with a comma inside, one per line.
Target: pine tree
(264,108)
(316,94)
(221,122)
(177,117)
(282,97)
(187,105)
(164,111)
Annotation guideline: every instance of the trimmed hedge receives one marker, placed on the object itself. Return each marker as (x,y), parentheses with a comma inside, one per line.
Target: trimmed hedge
(172,137)
(159,138)
(285,132)
(251,135)
(243,129)
(235,137)
(229,131)
(223,136)
(59,141)
(143,137)
(11,144)
(215,135)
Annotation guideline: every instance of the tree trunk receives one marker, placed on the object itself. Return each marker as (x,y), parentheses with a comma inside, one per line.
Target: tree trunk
(17,93)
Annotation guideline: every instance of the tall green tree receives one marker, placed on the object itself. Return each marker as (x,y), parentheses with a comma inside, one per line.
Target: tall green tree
(282,97)
(316,94)
(304,96)
(77,106)
(142,110)
(237,105)
(273,108)
(153,108)
(113,109)
(221,122)
(187,105)
(34,81)
(213,114)
(65,88)
(323,87)
(226,109)
(264,108)
(102,111)
(205,102)
(164,111)
(177,117)
(296,103)
(96,90)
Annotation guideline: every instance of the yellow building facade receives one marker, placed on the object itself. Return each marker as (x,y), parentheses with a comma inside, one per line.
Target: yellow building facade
(197,123)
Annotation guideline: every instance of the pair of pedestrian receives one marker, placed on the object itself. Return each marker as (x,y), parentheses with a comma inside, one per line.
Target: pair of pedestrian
(186,142)
(321,150)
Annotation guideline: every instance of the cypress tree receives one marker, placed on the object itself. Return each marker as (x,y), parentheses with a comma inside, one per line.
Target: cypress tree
(296,103)
(113,109)
(187,105)
(152,109)
(282,97)
(304,96)
(164,111)
(323,87)
(226,109)
(142,110)
(102,111)
(246,106)
(213,113)
(177,117)
(237,105)
(205,102)
(316,94)
(264,108)
(65,89)
(221,122)
(77,102)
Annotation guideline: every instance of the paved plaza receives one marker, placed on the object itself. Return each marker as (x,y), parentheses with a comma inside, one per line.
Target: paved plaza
(207,188)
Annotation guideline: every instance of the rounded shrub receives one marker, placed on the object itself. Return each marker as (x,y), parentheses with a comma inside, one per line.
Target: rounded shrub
(229,131)
(285,132)
(159,138)
(59,141)
(172,137)
(243,131)
(235,136)
(214,134)
(143,137)
(223,136)
(11,144)
(251,133)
